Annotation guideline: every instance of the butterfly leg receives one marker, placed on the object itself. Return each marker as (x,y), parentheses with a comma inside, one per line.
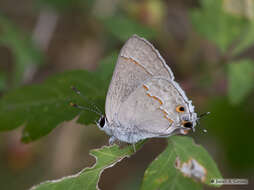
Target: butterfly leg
(134,147)
(112,140)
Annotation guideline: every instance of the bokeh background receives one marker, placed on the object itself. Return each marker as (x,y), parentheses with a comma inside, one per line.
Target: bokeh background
(39,38)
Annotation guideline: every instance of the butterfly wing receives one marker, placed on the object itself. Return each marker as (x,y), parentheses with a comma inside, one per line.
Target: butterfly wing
(144,53)
(137,61)
(150,110)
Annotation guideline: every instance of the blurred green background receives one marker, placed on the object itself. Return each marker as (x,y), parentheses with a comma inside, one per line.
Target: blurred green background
(208,44)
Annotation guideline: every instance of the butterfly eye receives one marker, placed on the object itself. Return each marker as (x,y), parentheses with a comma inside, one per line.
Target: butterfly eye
(187,124)
(180,109)
(102,122)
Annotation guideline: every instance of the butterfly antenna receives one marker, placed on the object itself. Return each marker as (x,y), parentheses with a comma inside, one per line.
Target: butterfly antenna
(201,116)
(89,101)
(85,108)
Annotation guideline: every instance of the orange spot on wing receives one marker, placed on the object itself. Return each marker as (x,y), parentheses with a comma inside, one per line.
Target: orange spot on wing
(185,131)
(135,62)
(156,98)
(170,120)
(165,116)
(165,113)
(145,87)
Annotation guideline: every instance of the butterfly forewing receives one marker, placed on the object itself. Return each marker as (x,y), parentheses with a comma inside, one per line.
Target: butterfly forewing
(137,61)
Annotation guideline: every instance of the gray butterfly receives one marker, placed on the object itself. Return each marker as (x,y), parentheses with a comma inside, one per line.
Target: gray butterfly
(143,100)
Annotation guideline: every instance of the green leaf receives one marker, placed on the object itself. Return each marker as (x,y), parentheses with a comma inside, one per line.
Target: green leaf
(104,73)
(25,52)
(88,178)
(246,39)
(164,172)
(217,25)
(240,79)
(106,67)
(123,28)
(244,9)
(40,108)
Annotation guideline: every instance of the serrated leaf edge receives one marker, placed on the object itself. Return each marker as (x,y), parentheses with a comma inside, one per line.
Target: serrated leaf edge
(83,170)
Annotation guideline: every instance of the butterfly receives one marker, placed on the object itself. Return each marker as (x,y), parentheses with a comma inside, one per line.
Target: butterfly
(143,100)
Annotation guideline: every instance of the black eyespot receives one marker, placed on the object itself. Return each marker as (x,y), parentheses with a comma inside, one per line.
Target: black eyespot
(180,109)
(187,124)
(102,121)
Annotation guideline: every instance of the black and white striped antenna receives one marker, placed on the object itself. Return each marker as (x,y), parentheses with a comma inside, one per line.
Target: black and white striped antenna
(201,116)
(94,108)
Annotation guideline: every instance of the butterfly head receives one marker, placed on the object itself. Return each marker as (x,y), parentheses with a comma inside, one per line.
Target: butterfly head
(103,124)
(187,118)
(189,121)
